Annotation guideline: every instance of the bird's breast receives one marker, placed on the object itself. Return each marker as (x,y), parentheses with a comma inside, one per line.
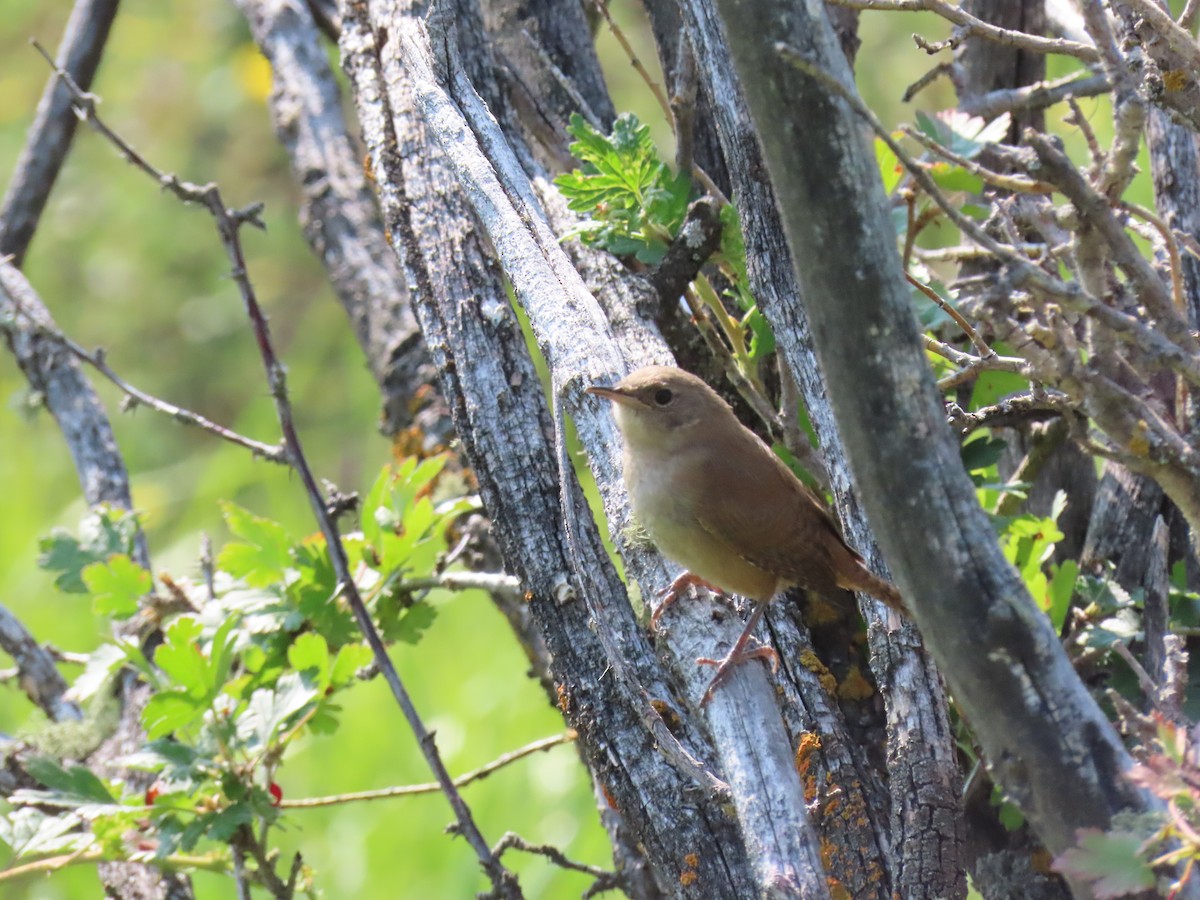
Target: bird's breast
(667,499)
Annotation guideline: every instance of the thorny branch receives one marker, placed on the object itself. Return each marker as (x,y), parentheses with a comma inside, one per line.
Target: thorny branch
(98,360)
(228,223)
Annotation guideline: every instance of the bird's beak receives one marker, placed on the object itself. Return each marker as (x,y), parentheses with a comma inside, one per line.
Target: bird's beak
(612,394)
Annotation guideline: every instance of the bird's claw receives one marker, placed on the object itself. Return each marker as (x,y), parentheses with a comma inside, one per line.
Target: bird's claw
(733,658)
(676,589)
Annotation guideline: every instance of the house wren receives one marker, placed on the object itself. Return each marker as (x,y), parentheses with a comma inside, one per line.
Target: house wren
(715,499)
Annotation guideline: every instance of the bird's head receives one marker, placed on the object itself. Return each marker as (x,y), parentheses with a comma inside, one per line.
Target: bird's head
(658,405)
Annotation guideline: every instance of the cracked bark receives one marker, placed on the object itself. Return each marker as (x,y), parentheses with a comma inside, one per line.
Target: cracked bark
(1046,739)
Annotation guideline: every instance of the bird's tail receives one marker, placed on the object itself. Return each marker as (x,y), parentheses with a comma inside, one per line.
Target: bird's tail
(867,582)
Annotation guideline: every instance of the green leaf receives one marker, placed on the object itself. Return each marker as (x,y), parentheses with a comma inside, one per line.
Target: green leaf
(951,178)
(309,655)
(103,662)
(410,624)
(168,711)
(181,658)
(982,452)
(103,533)
(991,386)
(77,783)
(1111,862)
(32,832)
(263,554)
(269,710)
(636,205)
(222,825)
(116,585)
(350,659)
(1062,588)
(890,169)
(762,338)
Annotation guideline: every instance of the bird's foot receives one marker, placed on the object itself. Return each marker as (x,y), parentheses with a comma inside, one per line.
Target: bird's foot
(675,590)
(739,654)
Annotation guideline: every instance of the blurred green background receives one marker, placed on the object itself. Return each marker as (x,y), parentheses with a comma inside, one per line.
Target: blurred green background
(122,267)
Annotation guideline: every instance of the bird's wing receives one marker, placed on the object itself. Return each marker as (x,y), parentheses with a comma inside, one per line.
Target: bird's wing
(770,518)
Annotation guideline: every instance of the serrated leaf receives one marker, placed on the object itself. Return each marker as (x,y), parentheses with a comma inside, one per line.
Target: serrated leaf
(116,586)
(309,655)
(263,554)
(168,711)
(269,710)
(102,664)
(104,532)
(349,660)
(32,832)
(414,622)
(222,825)
(1111,862)
(77,783)
(180,657)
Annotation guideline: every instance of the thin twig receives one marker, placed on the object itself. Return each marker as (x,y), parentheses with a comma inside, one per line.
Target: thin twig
(656,89)
(513,841)
(948,308)
(972,365)
(1022,406)
(1124,327)
(1034,96)
(976,27)
(228,223)
(1016,183)
(1187,18)
(97,360)
(410,790)
(942,68)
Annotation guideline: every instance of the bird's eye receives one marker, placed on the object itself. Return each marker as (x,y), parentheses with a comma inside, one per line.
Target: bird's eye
(663,396)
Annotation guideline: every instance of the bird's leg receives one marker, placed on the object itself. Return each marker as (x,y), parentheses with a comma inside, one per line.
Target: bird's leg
(675,590)
(738,653)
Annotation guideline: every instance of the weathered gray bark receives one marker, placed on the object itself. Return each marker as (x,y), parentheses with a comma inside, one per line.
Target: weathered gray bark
(488,377)
(50,136)
(926,825)
(999,653)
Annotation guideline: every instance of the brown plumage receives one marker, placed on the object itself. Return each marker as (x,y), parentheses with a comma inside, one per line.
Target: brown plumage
(715,499)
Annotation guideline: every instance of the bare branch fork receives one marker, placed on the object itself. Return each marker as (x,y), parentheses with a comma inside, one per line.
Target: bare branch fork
(228,223)
(98,361)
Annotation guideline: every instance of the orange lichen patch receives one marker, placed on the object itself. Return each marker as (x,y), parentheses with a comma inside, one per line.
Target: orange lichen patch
(1041,861)
(813,663)
(837,890)
(408,442)
(832,805)
(855,686)
(828,852)
(810,743)
(1175,79)
(689,875)
(669,716)
(609,798)
(564,698)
